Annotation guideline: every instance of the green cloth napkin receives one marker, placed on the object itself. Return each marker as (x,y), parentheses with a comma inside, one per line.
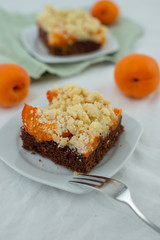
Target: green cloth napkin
(12,50)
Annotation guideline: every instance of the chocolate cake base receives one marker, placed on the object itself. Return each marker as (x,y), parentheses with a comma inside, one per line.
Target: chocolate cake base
(68,158)
(78,47)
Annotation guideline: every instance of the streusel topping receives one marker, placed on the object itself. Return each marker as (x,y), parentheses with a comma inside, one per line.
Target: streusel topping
(81,119)
(71,23)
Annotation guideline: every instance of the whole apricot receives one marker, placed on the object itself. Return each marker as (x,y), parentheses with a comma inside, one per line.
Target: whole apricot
(137,75)
(106,11)
(14,84)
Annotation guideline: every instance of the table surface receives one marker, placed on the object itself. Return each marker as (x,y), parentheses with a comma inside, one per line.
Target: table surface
(30,210)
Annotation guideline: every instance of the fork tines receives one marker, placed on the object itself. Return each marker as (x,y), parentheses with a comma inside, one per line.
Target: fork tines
(86,179)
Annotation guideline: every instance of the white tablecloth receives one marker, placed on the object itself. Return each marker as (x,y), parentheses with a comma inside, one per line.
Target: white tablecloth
(30,210)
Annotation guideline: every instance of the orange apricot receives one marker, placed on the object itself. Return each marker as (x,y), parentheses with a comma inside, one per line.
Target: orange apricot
(106,11)
(59,40)
(35,126)
(137,75)
(91,146)
(14,83)
(51,95)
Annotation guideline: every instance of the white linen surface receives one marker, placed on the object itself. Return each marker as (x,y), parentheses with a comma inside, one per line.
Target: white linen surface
(30,210)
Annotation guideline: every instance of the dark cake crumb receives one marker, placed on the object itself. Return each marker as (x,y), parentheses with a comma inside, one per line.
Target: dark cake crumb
(67,157)
(78,47)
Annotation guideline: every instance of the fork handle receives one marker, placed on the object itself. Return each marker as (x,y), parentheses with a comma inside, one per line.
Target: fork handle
(126,198)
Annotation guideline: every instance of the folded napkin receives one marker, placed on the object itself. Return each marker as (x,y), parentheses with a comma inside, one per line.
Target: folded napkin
(12,50)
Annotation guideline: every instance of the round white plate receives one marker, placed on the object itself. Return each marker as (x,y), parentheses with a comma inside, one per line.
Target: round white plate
(45,171)
(33,44)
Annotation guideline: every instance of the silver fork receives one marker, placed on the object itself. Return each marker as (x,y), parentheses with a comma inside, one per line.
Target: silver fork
(115,189)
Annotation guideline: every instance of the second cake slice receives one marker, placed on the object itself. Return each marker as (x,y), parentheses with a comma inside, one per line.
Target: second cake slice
(70,32)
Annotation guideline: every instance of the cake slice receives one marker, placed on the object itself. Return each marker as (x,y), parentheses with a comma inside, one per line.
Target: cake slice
(69,32)
(76,129)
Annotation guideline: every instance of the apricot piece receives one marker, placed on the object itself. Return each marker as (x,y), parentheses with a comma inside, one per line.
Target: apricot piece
(92,145)
(117,111)
(14,83)
(51,95)
(137,75)
(61,41)
(115,122)
(35,126)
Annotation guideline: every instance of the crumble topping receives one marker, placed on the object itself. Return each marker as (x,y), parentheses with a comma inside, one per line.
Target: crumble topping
(71,24)
(81,119)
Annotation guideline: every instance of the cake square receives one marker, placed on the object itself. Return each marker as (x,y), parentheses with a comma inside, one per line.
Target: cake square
(75,130)
(70,32)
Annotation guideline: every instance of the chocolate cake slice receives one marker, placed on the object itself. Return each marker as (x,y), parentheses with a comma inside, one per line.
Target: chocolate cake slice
(78,47)
(75,130)
(70,32)
(70,158)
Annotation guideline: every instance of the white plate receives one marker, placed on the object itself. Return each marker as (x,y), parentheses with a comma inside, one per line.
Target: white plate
(45,171)
(35,47)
